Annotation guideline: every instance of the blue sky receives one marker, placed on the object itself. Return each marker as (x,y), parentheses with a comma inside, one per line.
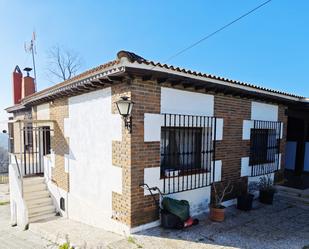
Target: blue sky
(268,48)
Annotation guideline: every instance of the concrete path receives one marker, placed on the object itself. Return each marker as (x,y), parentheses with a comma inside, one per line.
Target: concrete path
(14,238)
(4,193)
(80,235)
(283,225)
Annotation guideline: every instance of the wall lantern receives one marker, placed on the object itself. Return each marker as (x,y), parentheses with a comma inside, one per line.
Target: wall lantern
(124,106)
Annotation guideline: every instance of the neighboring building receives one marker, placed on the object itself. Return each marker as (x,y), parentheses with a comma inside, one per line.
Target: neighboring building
(187,130)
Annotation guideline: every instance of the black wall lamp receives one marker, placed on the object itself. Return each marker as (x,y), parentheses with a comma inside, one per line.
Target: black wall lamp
(124,106)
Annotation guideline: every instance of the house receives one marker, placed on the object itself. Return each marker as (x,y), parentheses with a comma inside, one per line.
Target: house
(72,152)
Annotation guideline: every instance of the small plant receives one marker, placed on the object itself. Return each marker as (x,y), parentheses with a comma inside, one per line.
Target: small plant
(133,241)
(67,244)
(2,203)
(220,192)
(266,184)
(267,190)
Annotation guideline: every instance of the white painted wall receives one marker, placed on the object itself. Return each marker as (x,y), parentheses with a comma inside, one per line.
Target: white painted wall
(265,112)
(19,211)
(55,192)
(91,128)
(154,122)
(246,168)
(43,112)
(176,101)
(184,102)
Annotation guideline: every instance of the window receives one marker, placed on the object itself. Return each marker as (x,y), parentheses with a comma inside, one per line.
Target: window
(181,149)
(28,137)
(45,133)
(264,147)
(187,151)
(11,137)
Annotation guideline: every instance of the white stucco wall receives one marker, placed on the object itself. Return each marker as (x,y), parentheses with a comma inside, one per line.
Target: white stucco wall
(91,128)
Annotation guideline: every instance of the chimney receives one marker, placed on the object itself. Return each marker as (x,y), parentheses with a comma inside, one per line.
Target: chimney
(28,86)
(17,83)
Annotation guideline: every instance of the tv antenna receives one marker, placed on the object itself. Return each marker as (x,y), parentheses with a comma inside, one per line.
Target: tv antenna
(31,49)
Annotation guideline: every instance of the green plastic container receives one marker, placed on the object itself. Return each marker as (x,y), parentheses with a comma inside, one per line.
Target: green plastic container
(176,207)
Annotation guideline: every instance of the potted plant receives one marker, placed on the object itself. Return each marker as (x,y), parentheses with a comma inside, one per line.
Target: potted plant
(217,210)
(267,190)
(246,196)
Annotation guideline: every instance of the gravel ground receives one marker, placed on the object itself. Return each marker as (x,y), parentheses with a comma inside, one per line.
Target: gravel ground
(284,225)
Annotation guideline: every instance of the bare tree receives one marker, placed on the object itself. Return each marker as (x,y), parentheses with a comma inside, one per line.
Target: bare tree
(63,63)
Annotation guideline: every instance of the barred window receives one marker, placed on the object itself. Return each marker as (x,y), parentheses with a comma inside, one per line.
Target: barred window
(28,136)
(187,151)
(182,148)
(264,147)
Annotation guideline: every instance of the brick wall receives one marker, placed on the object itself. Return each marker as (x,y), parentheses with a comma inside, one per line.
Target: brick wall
(133,154)
(146,96)
(59,144)
(279,176)
(121,203)
(233,110)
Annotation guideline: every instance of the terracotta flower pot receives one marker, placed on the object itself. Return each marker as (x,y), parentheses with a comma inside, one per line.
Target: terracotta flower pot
(217,213)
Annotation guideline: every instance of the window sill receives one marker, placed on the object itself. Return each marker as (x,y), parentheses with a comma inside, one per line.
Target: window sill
(186,173)
(260,163)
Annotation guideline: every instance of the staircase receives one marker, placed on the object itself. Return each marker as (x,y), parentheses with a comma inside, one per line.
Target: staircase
(298,196)
(39,203)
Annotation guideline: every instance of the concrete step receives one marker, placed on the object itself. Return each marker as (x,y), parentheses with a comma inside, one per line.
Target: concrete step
(41,210)
(34,188)
(33,181)
(39,202)
(44,216)
(36,195)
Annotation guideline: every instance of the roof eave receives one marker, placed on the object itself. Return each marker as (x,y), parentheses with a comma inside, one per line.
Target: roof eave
(219,82)
(15,108)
